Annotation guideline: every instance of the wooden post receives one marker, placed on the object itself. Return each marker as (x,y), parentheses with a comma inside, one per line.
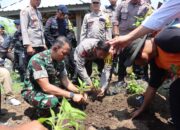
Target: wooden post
(78,23)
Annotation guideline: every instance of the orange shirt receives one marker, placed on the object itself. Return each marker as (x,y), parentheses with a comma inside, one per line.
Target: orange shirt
(165,60)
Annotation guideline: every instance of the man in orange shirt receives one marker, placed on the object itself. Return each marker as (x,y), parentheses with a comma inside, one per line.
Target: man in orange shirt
(163,54)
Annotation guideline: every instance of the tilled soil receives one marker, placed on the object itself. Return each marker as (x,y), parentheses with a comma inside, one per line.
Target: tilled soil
(112,113)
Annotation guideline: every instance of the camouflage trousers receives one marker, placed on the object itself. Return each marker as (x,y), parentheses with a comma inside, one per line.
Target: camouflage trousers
(41,100)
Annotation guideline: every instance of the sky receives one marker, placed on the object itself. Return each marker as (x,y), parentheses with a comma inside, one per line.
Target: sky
(104,2)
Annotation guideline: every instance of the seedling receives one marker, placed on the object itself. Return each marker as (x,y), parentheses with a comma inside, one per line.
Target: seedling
(67,118)
(133,87)
(96,83)
(83,87)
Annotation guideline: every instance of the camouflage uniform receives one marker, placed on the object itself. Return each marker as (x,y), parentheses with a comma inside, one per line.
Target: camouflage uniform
(96,26)
(54,28)
(84,56)
(41,65)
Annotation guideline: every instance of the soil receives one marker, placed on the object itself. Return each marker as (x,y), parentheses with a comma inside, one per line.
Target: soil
(111,113)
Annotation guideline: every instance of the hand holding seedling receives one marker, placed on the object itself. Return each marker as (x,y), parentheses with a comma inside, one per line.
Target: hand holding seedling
(101,93)
(78,98)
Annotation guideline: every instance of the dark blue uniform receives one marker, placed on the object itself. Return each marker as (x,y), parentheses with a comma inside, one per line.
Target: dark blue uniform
(19,54)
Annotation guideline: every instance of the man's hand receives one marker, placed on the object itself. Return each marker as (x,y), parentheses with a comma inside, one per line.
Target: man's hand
(78,98)
(136,113)
(34,125)
(121,41)
(101,93)
(45,47)
(30,50)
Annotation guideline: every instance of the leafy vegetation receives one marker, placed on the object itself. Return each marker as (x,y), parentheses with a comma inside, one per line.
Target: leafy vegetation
(133,87)
(67,118)
(83,87)
(96,83)
(17,84)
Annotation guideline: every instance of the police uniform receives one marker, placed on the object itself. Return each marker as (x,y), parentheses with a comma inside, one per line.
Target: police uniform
(126,16)
(32,29)
(55,27)
(19,54)
(96,25)
(110,11)
(5,43)
(41,65)
(126,13)
(84,56)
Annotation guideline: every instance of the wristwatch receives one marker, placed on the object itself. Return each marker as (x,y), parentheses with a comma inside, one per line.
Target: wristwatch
(71,95)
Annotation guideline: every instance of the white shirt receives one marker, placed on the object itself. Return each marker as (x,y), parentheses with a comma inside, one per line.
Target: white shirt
(165,14)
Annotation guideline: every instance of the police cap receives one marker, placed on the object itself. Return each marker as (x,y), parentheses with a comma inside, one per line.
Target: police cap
(17,22)
(1,26)
(63,9)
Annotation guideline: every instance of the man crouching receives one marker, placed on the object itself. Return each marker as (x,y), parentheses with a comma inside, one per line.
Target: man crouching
(46,80)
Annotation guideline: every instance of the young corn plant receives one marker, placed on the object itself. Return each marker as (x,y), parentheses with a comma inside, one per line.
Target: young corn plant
(83,87)
(133,87)
(68,117)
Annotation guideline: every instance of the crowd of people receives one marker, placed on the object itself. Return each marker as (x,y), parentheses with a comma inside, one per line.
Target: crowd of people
(50,61)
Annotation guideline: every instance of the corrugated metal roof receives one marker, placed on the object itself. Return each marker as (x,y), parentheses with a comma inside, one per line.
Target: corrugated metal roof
(44,3)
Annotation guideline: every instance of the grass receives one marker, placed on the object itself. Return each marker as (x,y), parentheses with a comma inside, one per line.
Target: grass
(16,83)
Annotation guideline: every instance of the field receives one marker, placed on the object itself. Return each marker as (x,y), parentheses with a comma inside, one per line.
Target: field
(111,113)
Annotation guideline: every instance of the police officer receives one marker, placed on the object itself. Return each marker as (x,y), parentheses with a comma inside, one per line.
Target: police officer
(93,50)
(58,25)
(32,29)
(124,22)
(19,51)
(110,10)
(96,24)
(5,45)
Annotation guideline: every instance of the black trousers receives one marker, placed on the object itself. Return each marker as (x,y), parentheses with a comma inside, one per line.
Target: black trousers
(175,102)
(100,65)
(37,50)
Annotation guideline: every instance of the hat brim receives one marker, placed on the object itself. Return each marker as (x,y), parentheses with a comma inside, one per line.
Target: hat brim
(135,47)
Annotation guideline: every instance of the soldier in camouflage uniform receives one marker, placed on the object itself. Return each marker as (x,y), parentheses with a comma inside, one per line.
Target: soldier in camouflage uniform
(59,25)
(46,75)
(96,24)
(19,51)
(93,50)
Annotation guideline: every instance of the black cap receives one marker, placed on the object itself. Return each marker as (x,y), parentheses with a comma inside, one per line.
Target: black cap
(133,50)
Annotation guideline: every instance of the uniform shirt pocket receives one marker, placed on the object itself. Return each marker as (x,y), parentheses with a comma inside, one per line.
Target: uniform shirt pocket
(90,23)
(124,14)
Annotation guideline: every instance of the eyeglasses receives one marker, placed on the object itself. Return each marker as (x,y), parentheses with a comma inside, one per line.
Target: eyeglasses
(95,2)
